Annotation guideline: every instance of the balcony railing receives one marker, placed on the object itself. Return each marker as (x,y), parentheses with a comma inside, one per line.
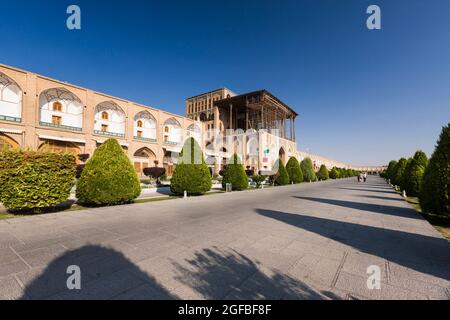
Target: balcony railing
(109,134)
(11,119)
(145,139)
(172,143)
(59,126)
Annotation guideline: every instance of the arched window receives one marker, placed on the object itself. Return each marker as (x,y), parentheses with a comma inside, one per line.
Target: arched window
(139,124)
(166,129)
(105,115)
(57,106)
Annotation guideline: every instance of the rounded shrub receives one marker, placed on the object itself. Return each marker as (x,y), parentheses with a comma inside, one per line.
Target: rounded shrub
(108,177)
(282,176)
(308,170)
(294,171)
(334,173)
(390,170)
(323,173)
(412,179)
(435,192)
(399,170)
(191,173)
(32,180)
(235,174)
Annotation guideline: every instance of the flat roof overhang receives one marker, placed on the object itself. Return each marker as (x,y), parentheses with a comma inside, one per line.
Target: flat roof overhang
(260,97)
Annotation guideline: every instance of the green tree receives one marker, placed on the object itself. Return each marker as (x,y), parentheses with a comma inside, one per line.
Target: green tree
(282,176)
(435,191)
(235,174)
(334,173)
(323,173)
(399,171)
(390,169)
(191,173)
(308,170)
(294,171)
(414,173)
(108,177)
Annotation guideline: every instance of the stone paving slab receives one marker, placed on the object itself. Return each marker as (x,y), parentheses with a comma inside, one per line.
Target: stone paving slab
(308,241)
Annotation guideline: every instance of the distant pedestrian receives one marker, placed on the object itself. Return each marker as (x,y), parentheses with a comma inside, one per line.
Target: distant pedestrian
(365,176)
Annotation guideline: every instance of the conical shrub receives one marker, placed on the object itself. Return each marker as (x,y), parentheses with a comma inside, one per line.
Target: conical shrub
(191,173)
(282,176)
(323,173)
(308,170)
(334,173)
(294,171)
(390,170)
(435,191)
(108,177)
(235,174)
(398,171)
(414,173)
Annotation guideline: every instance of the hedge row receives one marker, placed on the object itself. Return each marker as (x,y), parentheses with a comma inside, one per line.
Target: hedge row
(428,180)
(33,180)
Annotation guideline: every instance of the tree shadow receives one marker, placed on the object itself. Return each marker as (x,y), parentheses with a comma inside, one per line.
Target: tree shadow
(379,197)
(227,274)
(368,190)
(105,274)
(382,209)
(422,253)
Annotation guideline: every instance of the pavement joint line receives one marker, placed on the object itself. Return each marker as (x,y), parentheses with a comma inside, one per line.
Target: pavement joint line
(338,271)
(20,257)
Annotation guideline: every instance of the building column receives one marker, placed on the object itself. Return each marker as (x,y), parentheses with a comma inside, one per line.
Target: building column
(230,119)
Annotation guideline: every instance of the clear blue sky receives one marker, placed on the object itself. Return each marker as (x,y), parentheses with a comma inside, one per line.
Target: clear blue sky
(364,97)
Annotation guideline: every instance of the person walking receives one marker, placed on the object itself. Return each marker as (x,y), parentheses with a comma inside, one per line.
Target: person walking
(365,176)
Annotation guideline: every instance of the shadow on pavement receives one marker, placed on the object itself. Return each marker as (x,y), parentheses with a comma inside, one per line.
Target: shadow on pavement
(382,209)
(218,274)
(368,190)
(410,250)
(105,274)
(379,197)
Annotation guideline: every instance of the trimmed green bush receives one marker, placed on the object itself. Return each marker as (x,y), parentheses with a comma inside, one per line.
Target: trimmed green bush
(108,177)
(390,170)
(258,180)
(412,178)
(308,170)
(191,173)
(323,173)
(435,191)
(334,173)
(294,171)
(235,174)
(282,176)
(399,169)
(32,180)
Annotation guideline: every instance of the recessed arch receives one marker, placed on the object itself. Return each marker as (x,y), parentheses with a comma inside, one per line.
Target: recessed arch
(10,99)
(172,132)
(60,147)
(7,142)
(61,108)
(282,155)
(109,119)
(143,158)
(144,126)
(195,132)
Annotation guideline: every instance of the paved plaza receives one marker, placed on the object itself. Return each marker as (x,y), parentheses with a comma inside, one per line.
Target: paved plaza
(308,241)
